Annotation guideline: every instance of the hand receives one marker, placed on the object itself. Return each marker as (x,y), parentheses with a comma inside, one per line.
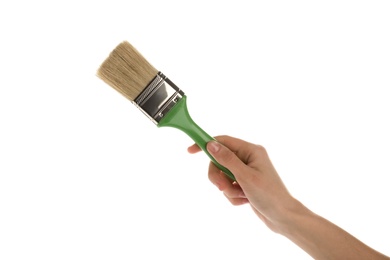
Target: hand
(257,181)
(259,184)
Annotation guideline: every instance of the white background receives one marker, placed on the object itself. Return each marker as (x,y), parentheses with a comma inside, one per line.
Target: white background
(85,175)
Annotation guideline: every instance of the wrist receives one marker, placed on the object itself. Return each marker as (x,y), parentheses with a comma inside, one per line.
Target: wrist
(290,217)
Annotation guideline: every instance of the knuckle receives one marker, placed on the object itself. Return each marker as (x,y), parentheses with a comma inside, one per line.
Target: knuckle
(261,150)
(237,202)
(220,138)
(213,173)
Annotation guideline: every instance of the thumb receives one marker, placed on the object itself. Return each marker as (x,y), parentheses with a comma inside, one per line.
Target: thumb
(226,157)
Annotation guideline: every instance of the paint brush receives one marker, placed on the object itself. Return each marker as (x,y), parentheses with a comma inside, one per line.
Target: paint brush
(128,72)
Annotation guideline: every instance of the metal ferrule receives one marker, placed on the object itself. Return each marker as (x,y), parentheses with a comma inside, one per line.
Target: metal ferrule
(159,96)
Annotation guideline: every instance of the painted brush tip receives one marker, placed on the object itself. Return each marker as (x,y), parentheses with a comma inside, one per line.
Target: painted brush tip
(127,71)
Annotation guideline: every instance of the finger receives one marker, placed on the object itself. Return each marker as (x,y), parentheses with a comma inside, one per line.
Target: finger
(241,148)
(226,157)
(218,178)
(238,202)
(231,189)
(232,143)
(234,192)
(193,149)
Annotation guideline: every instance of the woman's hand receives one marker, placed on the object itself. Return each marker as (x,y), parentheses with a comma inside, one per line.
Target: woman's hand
(257,181)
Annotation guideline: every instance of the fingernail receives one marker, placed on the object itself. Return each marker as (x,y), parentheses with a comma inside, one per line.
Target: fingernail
(213,147)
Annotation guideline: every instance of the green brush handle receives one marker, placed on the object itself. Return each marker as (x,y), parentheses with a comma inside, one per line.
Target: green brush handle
(178,117)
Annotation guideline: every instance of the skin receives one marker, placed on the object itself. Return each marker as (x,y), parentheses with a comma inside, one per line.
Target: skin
(258,183)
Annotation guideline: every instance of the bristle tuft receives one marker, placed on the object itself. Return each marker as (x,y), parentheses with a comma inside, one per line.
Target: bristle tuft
(127,71)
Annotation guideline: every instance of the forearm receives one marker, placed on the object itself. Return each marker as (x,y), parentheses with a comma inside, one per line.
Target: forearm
(322,239)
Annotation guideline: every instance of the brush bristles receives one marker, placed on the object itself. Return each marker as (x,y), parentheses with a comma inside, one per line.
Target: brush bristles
(127,71)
